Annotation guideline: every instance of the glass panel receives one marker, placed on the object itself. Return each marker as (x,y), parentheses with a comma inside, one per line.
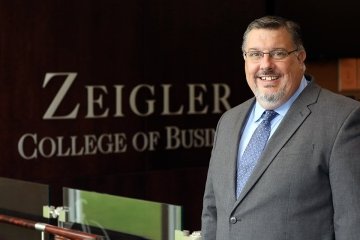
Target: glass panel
(22,200)
(113,215)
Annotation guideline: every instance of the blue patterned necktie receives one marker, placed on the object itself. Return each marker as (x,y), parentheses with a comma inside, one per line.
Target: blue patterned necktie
(253,150)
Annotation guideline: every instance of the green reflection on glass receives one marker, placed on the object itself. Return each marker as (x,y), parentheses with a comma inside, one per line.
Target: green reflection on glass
(151,220)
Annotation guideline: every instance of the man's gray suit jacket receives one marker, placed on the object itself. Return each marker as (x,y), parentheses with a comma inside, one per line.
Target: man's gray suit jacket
(306,185)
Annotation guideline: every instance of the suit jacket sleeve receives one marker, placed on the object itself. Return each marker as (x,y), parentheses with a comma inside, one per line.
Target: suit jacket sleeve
(344,174)
(209,213)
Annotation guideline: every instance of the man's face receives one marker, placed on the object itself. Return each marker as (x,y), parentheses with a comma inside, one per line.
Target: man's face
(272,81)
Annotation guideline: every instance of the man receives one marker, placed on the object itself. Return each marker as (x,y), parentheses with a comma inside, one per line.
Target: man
(305,185)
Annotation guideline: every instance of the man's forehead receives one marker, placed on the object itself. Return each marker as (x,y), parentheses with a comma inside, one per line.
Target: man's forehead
(267,36)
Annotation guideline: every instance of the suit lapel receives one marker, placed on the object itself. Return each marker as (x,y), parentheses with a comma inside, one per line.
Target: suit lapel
(296,115)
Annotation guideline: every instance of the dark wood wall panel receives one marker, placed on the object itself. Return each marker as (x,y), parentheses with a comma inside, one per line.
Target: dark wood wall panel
(119,57)
(330,29)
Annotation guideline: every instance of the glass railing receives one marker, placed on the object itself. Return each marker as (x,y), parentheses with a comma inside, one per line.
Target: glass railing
(112,217)
(116,217)
(23,200)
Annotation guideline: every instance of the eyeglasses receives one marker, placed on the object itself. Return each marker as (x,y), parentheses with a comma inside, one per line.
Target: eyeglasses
(276,54)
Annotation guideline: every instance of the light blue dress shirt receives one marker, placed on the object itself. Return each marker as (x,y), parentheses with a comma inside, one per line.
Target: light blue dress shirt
(254,118)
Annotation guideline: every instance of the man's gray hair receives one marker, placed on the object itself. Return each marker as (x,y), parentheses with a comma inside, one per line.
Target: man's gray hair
(273,23)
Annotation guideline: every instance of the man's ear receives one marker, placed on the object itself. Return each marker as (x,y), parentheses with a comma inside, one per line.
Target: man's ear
(301,56)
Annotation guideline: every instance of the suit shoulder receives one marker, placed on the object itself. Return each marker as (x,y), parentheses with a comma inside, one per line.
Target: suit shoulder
(241,108)
(337,100)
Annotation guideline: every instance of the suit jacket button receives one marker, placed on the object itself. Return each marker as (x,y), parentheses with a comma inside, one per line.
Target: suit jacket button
(233,220)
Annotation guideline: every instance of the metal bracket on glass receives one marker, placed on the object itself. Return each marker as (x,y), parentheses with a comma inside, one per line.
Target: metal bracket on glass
(60,213)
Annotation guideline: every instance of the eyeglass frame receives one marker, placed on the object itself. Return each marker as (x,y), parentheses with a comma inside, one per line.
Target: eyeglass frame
(270,54)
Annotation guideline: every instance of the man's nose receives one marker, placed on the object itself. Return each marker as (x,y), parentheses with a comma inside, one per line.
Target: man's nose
(266,61)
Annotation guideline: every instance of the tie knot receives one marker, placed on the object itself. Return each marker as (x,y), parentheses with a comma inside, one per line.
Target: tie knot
(269,115)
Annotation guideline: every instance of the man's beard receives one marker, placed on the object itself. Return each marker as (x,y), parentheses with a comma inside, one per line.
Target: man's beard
(270,99)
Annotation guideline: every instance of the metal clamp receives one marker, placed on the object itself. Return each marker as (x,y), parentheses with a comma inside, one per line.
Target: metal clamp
(60,213)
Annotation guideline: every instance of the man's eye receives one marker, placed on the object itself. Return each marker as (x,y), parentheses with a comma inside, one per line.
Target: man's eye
(279,54)
(254,54)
